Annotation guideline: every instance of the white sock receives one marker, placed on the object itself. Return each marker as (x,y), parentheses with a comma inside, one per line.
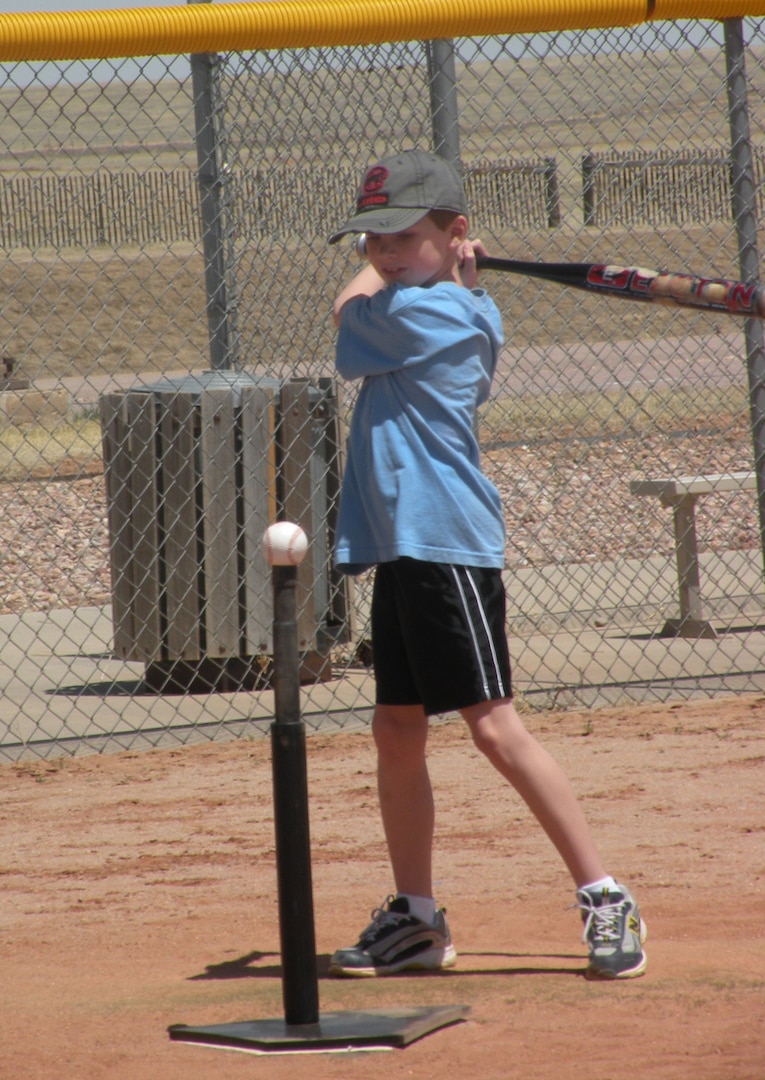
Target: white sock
(600,886)
(422,907)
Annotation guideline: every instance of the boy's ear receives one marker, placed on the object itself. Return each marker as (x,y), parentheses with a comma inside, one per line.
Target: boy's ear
(459,227)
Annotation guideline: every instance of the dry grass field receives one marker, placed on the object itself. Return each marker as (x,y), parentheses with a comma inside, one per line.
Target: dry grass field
(99,313)
(91,313)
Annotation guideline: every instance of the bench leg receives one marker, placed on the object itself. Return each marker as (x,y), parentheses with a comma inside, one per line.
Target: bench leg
(691,622)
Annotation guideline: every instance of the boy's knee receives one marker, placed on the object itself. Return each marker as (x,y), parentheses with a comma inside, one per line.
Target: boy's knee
(496,729)
(485,738)
(399,730)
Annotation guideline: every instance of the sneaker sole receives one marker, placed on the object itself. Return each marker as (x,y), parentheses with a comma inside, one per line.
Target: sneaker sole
(610,976)
(629,973)
(431,960)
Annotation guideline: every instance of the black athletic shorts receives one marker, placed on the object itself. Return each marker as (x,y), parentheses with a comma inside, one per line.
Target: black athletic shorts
(438,635)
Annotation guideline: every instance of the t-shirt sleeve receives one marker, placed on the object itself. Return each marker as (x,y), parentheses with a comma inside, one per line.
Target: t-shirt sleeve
(398,328)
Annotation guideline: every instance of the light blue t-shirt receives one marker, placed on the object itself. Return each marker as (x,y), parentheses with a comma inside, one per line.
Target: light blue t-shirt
(413,484)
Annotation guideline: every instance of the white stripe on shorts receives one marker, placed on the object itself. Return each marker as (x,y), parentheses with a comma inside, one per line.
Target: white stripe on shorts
(485,676)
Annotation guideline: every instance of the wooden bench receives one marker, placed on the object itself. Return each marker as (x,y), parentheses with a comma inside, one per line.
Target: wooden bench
(682,494)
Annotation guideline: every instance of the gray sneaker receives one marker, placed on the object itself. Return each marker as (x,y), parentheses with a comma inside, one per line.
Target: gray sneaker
(615,933)
(397,941)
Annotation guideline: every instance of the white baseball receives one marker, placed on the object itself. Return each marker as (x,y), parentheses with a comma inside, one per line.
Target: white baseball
(284,544)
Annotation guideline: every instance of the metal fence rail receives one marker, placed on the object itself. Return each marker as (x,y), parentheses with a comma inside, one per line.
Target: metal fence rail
(167,219)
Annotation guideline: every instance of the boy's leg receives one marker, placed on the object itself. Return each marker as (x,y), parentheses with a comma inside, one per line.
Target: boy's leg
(406,798)
(397,939)
(499,733)
(613,927)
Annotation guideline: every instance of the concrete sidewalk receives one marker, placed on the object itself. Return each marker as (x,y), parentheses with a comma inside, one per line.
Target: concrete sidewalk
(579,636)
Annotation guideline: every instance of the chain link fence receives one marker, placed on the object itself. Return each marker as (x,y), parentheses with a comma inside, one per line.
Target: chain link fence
(167,384)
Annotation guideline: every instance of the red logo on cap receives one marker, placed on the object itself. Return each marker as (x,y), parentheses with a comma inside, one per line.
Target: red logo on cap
(375,178)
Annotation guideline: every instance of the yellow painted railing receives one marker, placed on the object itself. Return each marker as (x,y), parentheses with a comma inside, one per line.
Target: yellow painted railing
(284,24)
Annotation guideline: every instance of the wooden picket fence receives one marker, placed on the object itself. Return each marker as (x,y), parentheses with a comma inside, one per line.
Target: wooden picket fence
(162,206)
(663,188)
(107,208)
(102,208)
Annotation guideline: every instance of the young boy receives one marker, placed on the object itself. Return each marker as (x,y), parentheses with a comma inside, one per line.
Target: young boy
(415,505)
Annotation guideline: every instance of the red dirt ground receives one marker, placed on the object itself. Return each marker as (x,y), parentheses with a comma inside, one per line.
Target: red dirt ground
(139,892)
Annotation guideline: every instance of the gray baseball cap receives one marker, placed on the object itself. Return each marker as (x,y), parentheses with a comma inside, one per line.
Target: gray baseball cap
(398,191)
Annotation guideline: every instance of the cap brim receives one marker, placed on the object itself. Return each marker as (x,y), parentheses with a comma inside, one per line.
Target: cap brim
(381,221)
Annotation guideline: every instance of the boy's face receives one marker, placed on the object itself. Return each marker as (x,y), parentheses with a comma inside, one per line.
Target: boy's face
(420,255)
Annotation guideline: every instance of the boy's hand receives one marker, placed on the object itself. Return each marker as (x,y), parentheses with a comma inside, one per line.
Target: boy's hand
(467,271)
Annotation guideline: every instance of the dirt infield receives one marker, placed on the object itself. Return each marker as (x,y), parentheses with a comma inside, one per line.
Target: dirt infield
(139,892)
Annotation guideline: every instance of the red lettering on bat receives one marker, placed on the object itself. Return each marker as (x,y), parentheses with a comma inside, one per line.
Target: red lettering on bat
(622,278)
(735,297)
(741,297)
(641,281)
(609,277)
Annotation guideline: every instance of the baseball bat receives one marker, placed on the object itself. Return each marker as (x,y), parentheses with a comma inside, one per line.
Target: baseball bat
(635,283)
(650,286)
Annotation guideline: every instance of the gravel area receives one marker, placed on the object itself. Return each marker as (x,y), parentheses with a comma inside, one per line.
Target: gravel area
(566,502)
(55,545)
(570,503)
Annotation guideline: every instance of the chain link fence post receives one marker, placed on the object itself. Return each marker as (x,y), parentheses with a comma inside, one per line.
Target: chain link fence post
(745,219)
(215,209)
(444,109)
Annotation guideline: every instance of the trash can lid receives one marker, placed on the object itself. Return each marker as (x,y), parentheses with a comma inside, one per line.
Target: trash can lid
(196,382)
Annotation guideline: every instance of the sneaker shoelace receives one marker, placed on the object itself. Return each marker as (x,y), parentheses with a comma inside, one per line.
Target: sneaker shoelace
(382,917)
(603,921)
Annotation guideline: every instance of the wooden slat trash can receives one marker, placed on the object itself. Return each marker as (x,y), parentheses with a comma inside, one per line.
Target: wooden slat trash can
(196,468)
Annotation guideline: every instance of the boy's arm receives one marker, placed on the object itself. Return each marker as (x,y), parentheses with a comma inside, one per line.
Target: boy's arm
(366,283)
